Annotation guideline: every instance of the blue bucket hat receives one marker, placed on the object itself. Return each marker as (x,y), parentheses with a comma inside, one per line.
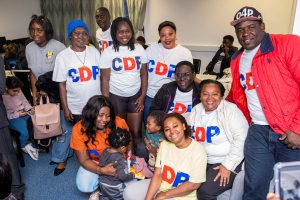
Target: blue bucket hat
(75,24)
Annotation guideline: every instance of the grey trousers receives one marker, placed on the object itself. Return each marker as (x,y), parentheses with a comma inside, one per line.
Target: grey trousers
(7,149)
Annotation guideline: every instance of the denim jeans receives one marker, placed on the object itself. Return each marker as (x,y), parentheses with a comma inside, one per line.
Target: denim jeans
(147,104)
(61,144)
(20,125)
(262,150)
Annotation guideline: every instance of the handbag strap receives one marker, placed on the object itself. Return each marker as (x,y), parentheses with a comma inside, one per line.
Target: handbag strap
(45,145)
(47,99)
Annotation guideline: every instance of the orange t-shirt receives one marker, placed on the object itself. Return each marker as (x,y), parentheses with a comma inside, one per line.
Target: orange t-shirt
(100,143)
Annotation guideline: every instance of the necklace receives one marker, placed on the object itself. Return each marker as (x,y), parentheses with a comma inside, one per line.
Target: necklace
(83,58)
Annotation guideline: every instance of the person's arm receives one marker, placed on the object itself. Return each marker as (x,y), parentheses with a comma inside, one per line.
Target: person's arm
(180,191)
(33,88)
(154,184)
(63,99)
(144,84)
(89,165)
(105,77)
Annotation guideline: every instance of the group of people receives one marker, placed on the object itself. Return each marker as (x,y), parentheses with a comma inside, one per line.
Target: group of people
(196,141)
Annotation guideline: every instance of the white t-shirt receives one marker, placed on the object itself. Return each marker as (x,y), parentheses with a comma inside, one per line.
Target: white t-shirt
(182,102)
(82,80)
(125,68)
(103,38)
(162,63)
(180,165)
(210,133)
(246,79)
(42,59)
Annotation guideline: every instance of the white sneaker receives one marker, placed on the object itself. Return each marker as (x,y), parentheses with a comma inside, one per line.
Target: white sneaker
(33,152)
(95,195)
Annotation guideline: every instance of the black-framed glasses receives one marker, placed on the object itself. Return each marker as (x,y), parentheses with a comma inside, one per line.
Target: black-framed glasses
(185,75)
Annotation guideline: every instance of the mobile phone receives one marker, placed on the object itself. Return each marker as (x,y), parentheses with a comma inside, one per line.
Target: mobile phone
(287,180)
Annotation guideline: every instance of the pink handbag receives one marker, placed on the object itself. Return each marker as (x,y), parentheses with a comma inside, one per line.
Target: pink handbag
(46,120)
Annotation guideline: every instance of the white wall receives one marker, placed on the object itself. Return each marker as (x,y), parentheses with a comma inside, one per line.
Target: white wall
(201,24)
(15,17)
(296,27)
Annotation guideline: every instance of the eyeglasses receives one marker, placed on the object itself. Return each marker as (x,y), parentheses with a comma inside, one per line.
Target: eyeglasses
(77,34)
(186,75)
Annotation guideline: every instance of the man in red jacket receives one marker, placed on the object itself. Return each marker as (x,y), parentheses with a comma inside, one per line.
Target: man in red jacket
(266,87)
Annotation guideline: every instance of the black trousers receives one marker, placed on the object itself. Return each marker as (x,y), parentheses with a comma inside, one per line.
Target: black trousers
(7,149)
(210,190)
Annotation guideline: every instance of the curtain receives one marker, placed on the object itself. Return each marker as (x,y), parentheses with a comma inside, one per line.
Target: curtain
(136,11)
(61,12)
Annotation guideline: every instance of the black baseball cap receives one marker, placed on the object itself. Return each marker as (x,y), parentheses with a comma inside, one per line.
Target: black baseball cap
(245,14)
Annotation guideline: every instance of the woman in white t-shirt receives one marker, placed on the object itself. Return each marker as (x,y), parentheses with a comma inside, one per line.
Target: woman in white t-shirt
(179,169)
(221,127)
(124,76)
(162,60)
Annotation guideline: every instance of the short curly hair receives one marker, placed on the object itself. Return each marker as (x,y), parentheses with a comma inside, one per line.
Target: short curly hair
(119,137)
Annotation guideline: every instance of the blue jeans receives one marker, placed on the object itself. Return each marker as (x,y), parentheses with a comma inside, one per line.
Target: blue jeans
(86,181)
(20,125)
(262,150)
(61,144)
(147,104)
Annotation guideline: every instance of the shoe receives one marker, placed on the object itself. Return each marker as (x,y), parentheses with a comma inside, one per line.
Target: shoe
(33,152)
(95,195)
(58,171)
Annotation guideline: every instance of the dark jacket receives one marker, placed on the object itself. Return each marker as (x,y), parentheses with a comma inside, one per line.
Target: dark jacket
(165,96)
(3,118)
(225,63)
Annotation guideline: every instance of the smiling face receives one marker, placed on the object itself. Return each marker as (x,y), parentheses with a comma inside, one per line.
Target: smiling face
(174,131)
(167,37)
(38,34)
(250,33)
(79,39)
(151,125)
(103,118)
(210,96)
(123,34)
(184,78)
(102,19)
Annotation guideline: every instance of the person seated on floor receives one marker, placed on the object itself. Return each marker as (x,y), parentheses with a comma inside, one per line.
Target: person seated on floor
(179,171)
(112,187)
(154,135)
(180,95)
(89,139)
(141,40)
(18,109)
(221,59)
(222,128)
(5,179)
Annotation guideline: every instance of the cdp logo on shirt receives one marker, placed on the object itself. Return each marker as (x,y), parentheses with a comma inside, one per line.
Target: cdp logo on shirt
(104,44)
(83,74)
(180,108)
(200,134)
(126,63)
(170,176)
(247,81)
(161,69)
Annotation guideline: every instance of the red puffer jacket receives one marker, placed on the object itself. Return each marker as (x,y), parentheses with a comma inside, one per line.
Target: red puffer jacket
(276,74)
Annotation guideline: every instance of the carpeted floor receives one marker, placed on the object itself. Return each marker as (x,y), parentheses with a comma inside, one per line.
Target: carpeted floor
(41,184)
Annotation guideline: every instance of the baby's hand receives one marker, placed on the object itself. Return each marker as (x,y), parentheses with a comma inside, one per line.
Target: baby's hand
(147,143)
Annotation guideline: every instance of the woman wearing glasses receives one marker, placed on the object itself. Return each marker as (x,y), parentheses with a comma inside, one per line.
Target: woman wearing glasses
(180,95)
